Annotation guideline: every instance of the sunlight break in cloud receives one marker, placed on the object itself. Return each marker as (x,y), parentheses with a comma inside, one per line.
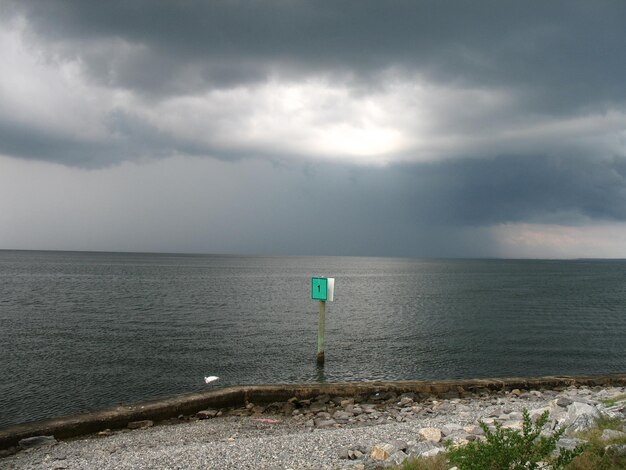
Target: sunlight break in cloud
(405,118)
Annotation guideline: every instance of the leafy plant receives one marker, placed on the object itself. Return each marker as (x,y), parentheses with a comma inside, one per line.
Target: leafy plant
(509,449)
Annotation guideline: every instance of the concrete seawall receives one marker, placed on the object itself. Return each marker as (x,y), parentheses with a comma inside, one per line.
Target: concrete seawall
(156,410)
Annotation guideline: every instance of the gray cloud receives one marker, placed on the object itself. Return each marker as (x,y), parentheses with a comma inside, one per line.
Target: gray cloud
(486,192)
(411,123)
(486,71)
(561,55)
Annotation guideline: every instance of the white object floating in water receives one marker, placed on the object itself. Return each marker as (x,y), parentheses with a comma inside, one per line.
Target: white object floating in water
(210,379)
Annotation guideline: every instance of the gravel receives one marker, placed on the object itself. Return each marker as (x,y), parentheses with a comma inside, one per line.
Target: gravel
(245,442)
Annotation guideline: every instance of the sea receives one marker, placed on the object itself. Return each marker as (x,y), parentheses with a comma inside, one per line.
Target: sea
(83,331)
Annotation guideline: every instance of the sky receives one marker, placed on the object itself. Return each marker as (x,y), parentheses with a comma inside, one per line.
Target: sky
(285,127)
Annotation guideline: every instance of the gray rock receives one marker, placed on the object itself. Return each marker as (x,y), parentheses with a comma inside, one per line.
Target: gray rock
(513,424)
(342,415)
(368,408)
(609,434)
(420,448)
(397,458)
(316,407)
(36,441)
(580,417)
(355,454)
(325,423)
(563,402)
(323,399)
(618,450)
(432,452)
(474,430)
(569,443)
(399,444)
(146,423)
(451,428)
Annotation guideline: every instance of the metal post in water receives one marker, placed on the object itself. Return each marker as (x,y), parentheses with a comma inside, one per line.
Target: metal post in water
(320,334)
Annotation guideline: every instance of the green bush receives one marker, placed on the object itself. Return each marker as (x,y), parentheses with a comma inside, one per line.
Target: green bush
(508,449)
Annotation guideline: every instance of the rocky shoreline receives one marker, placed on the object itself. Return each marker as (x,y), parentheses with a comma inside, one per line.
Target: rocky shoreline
(325,432)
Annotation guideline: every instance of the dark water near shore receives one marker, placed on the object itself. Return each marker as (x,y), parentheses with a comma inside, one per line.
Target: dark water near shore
(81,331)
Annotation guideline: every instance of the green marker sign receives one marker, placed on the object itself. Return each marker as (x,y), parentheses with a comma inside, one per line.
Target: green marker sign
(319,288)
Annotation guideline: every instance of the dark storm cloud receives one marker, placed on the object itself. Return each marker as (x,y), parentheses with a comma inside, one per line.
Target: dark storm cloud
(408,117)
(561,55)
(520,189)
(549,59)
(482,192)
(133,139)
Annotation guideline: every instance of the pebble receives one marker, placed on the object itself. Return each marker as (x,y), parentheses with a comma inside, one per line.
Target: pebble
(326,432)
(206,414)
(146,423)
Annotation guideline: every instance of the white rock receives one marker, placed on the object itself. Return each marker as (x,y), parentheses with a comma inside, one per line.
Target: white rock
(580,417)
(451,428)
(432,452)
(398,457)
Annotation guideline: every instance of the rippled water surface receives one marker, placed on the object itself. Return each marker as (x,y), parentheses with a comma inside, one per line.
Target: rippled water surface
(81,331)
